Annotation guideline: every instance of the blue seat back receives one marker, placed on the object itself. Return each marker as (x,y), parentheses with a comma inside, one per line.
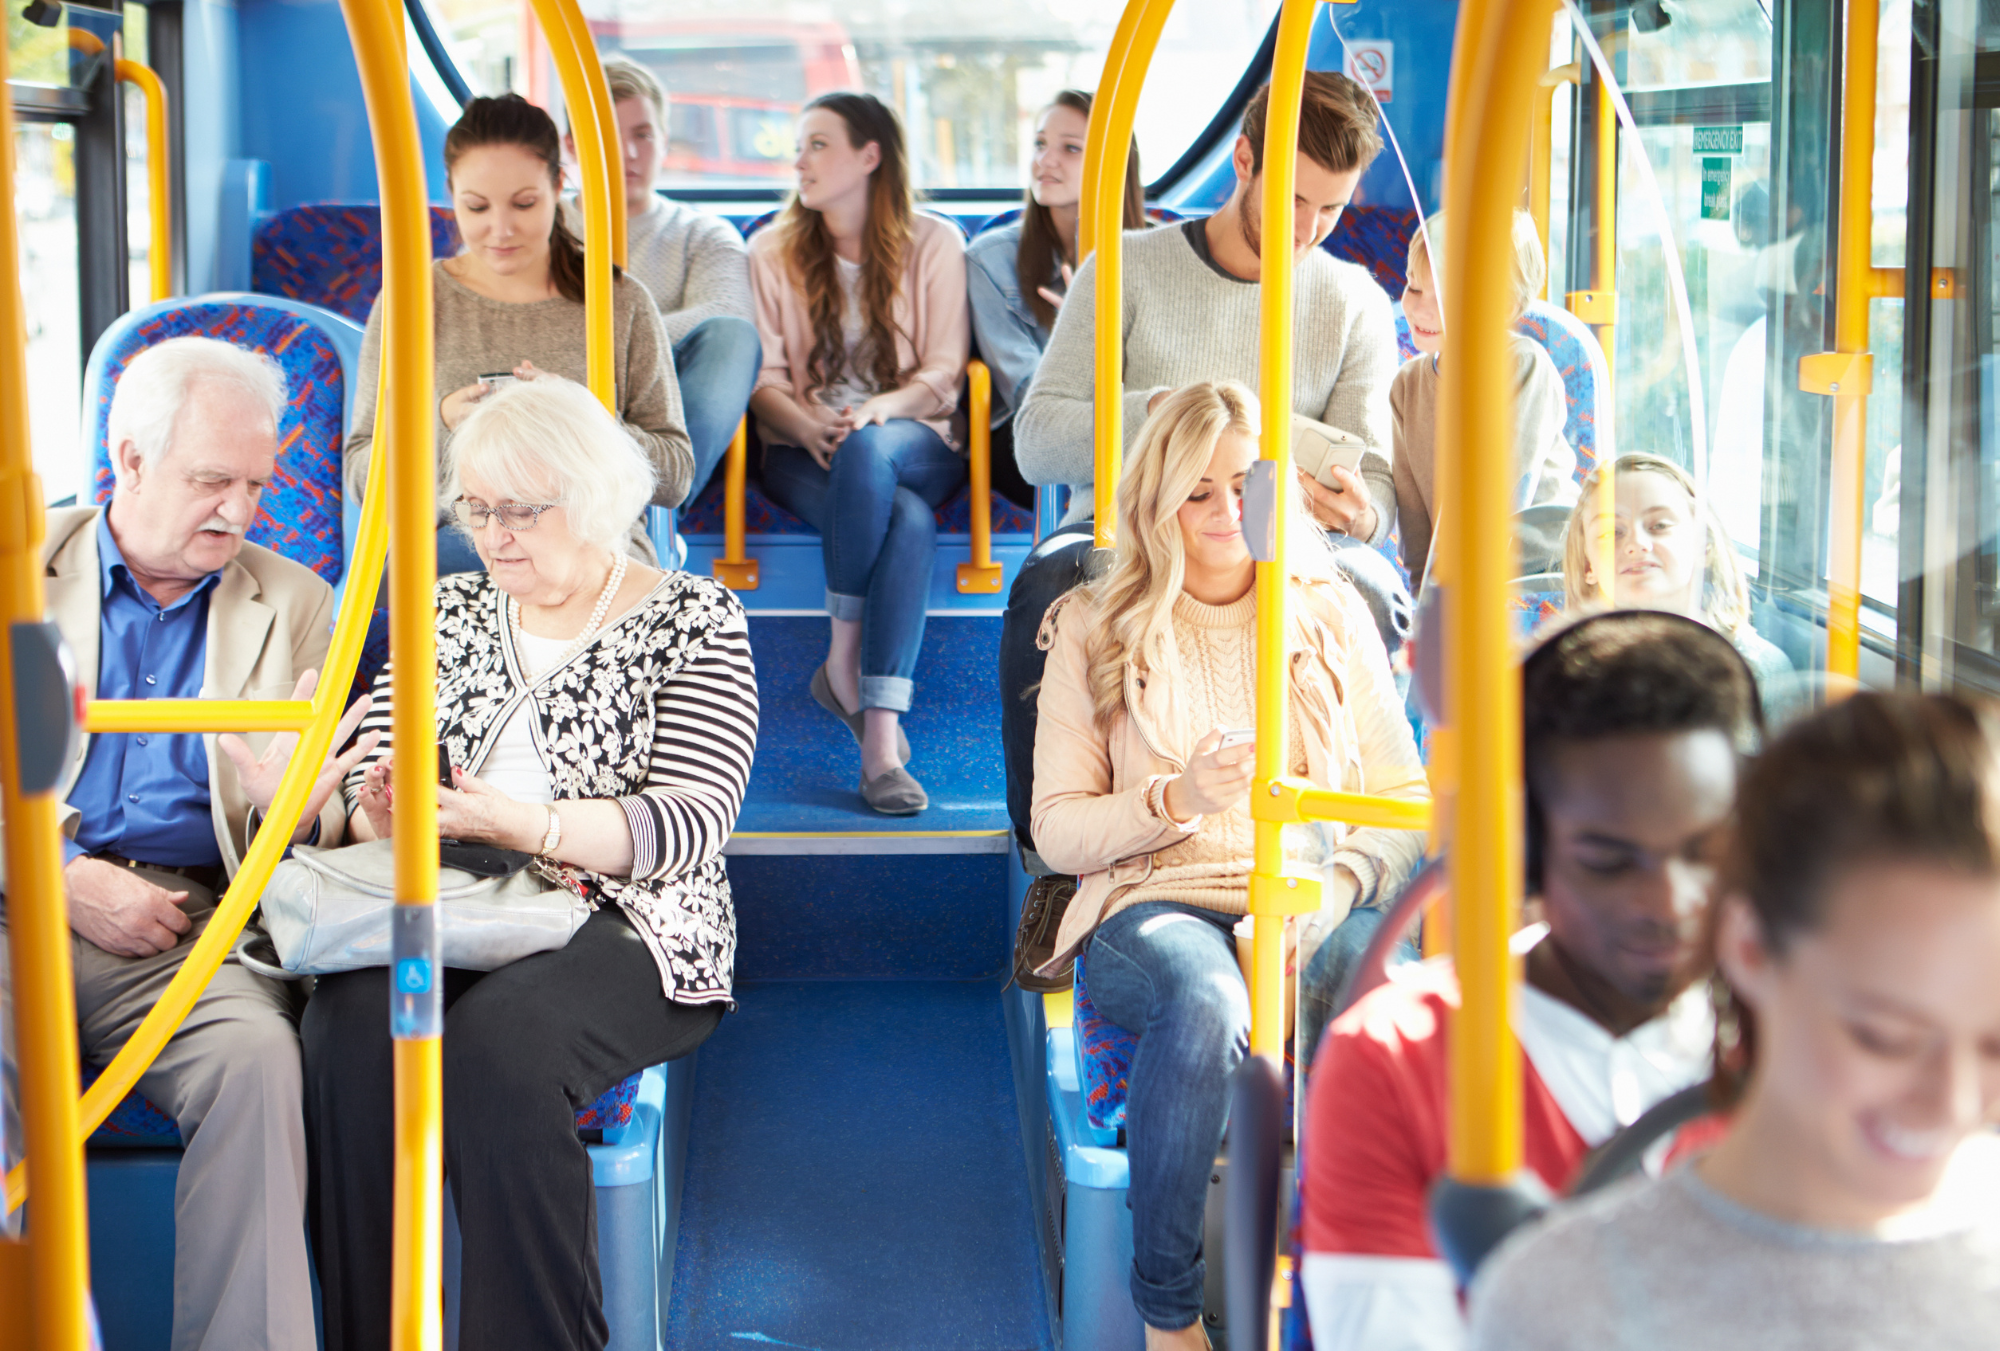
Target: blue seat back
(1378,238)
(301,512)
(1105,1050)
(330,254)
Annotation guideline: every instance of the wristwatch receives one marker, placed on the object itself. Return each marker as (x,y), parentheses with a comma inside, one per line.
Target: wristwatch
(553,838)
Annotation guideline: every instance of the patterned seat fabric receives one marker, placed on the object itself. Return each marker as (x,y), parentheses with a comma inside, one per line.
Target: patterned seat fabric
(611,1110)
(1106,1050)
(1378,238)
(300,515)
(135,1123)
(331,254)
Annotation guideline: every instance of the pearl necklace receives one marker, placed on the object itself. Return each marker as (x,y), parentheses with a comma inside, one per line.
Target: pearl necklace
(577,644)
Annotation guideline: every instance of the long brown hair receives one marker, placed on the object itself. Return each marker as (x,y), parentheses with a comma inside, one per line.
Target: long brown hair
(885,245)
(1875,778)
(1042,243)
(512,120)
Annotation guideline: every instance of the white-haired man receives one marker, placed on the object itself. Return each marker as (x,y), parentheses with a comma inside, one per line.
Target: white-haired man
(160,597)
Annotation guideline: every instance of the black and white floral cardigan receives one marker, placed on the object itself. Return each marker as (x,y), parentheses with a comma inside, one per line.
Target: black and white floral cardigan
(659,714)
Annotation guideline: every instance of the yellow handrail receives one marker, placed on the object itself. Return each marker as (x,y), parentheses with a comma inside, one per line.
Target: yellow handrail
(982,575)
(735,569)
(1541,162)
(201,715)
(588,132)
(58,1256)
(1848,372)
(1101,229)
(1498,54)
(607,120)
(159,204)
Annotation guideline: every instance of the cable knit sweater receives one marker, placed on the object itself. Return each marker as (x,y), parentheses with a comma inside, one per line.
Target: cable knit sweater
(1211,868)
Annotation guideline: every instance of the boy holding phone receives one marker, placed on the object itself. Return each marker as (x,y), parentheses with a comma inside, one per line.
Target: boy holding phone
(1544,461)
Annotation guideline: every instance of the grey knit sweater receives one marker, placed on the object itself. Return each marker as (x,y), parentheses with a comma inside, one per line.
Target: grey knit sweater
(477,336)
(1187,320)
(693,263)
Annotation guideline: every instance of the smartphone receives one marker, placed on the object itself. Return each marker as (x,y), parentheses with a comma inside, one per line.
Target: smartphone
(499,379)
(1237,736)
(444,766)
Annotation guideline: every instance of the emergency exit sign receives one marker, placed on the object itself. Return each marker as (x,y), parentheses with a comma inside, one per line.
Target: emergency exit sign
(1718,140)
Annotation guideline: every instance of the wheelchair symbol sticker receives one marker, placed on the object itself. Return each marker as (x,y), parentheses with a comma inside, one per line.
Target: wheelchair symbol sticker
(413,976)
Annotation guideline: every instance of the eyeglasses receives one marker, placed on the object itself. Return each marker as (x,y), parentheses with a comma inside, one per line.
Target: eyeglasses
(515,516)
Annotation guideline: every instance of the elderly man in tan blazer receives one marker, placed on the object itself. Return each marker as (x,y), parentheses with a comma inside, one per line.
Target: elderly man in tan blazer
(159,596)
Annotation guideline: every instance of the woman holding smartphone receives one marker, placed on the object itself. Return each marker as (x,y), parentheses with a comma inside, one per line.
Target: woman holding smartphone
(1142,789)
(510,307)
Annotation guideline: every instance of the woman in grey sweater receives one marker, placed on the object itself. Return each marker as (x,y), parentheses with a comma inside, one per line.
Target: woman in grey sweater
(1852,1203)
(510,307)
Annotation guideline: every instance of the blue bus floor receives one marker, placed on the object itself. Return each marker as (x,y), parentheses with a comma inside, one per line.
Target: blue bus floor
(808,771)
(855,1177)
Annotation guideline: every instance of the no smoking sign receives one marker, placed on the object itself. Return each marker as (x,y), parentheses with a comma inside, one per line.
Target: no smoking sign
(1373,64)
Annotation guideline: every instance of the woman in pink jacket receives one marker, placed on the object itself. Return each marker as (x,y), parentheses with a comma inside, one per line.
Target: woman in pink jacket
(862,311)
(1136,792)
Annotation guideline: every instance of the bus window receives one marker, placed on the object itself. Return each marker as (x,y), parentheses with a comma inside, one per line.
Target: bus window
(967,80)
(45,210)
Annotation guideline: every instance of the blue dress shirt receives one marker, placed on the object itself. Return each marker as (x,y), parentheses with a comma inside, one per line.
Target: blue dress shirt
(145,794)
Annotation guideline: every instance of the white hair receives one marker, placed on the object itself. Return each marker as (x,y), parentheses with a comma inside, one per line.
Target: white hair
(156,384)
(548,440)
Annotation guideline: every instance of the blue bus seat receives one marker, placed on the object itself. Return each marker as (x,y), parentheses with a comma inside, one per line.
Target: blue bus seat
(1537,600)
(1378,238)
(1104,1064)
(330,254)
(301,516)
(638,1169)
(762,516)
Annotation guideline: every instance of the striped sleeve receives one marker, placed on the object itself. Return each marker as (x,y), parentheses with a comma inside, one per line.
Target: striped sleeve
(704,737)
(379,719)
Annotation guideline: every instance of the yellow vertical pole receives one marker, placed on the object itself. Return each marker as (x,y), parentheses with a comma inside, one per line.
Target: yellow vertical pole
(596,193)
(592,68)
(160,206)
(1272,894)
(1541,164)
(1106,161)
(1847,372)
(1499,53)
(1604,273)
(416,1012)
(58,1256)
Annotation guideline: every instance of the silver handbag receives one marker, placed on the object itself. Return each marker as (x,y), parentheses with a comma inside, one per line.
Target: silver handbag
(327,910)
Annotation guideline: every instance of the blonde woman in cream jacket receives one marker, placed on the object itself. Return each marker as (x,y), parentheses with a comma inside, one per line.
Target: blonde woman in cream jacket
(1135,793)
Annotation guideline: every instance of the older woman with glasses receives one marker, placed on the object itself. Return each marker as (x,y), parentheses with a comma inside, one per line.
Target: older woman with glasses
(600,716)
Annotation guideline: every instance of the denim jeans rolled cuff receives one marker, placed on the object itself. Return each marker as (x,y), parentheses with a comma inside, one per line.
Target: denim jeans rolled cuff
(894,693)
(848,609)
(1175,1305)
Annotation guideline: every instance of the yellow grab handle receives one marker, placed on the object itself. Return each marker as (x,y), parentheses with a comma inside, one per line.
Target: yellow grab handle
(735,569)
(588,131)
(159,193)
(1105,164)
(55,1311)
(201,715)
(1500,51)
(982,575)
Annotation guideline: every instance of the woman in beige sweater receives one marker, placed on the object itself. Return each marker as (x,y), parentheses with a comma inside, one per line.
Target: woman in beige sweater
(510,306)
(1136,793)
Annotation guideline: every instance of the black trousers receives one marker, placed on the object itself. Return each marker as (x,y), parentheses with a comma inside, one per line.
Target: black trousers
(524,1048)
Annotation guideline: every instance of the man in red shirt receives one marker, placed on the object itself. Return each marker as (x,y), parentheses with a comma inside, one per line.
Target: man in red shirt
(1633,724)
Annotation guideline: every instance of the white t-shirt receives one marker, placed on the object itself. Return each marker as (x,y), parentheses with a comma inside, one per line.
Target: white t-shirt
(513,765)
(852,387)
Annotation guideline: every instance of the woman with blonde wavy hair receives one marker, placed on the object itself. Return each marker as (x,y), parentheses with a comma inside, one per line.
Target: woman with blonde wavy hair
(1142,789)
(1671,553)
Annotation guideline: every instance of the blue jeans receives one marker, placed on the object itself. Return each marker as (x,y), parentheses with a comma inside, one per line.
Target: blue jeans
(1327,971)
(873,511)
(1167,972)
(716,364)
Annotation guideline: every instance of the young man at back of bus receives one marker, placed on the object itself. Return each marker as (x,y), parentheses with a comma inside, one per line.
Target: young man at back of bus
(1633,722)
(1191,313)
(695,266)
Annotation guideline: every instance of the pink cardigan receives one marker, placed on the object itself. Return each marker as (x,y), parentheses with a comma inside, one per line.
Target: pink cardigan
(931,312)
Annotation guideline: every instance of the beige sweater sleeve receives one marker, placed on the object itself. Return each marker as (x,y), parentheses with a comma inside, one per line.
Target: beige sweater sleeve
(1083,821)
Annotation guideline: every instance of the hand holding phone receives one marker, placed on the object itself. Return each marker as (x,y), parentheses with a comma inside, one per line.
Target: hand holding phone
(444,767)
(1236,736)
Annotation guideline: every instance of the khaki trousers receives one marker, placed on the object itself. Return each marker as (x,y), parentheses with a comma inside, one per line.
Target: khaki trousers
(230,1079)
